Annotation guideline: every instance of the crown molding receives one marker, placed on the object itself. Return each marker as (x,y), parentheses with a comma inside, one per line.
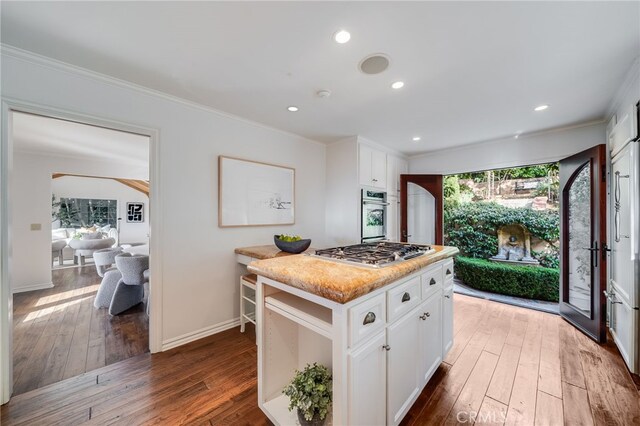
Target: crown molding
(45,61)
(520,137)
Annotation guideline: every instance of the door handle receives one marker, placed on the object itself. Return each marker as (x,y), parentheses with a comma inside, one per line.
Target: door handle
(386,347)
(432,282)
(406,297)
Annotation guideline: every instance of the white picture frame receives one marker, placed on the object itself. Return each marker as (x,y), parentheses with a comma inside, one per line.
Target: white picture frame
(252,193)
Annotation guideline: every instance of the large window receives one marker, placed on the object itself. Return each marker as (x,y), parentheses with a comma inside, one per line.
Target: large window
(77,212)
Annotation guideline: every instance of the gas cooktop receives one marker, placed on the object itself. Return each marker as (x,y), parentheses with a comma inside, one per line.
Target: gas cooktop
(375,255)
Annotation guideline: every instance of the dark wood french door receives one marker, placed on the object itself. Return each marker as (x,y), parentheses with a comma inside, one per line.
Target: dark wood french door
(429,213)
(583,260)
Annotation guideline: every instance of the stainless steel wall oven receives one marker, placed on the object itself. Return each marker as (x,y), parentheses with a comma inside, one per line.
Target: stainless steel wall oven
(374,216)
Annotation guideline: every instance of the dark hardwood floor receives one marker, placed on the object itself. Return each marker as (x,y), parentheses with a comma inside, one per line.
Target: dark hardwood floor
(58,333)
(508,365)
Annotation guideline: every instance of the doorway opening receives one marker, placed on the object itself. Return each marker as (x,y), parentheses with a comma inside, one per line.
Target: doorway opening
(83,191)
(506,224)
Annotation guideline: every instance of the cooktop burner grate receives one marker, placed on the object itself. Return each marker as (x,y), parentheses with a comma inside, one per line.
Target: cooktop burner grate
(375,254)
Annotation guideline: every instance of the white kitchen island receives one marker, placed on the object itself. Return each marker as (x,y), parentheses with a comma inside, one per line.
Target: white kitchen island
(382,332)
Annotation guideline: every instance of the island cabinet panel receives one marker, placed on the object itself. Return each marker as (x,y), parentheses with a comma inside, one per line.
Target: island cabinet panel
(366,319)
(403,298)
(403,379)
(431,331)
(431,281)
(447,320)
(368,382)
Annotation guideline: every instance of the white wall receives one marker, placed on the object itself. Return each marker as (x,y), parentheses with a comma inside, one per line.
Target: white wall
(197,260)
(510,152)
(107,189)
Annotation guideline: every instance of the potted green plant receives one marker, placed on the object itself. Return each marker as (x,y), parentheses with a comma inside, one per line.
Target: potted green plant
(310,392)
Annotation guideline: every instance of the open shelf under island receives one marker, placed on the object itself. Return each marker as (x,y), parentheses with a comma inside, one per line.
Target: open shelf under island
(382,332)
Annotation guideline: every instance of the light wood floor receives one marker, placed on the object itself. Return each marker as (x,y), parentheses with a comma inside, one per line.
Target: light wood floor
(59,334)
(508,364)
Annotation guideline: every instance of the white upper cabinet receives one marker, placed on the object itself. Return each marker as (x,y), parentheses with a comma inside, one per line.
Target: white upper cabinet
(372,167)
(395,167)
(623,131)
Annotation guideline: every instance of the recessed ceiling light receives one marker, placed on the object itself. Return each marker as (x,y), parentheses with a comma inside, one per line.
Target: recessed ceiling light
(342,36)
(398,85)
(292,108)
(416,138)
(541,107)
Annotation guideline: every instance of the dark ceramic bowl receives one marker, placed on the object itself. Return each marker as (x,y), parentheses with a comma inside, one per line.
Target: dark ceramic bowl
(293,246)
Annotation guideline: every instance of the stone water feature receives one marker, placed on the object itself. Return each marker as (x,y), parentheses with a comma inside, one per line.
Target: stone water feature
(514,246)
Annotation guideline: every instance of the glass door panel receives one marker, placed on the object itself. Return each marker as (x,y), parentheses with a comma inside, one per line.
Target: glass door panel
(579,211)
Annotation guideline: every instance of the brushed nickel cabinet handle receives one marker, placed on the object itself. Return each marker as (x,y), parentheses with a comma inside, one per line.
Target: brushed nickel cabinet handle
(369,318)
(447,296)
(386,347)
(406,297)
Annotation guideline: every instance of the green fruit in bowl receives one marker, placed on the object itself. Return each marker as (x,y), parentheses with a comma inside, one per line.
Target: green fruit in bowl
(289,238)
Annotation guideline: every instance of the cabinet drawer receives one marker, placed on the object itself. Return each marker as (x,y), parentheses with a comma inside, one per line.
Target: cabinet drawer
(403,298)
(447,270)
(366,319)
(431,281)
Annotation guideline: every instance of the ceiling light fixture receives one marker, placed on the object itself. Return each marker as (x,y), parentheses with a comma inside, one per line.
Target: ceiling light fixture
(292,108)
(323,93)
(416,138)
(398,85)
(342,36)
(541,107)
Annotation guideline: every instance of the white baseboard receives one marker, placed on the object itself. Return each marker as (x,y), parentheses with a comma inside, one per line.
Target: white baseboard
(199,334)
(31,287)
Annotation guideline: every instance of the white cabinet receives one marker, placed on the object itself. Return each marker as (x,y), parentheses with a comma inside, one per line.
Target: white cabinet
(368,384)
(393,218)
(382,347)
(395,167)
(372,167)
(431,331)
(447,320)
(403,380)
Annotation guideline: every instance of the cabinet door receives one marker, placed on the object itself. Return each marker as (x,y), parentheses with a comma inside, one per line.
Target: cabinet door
(430,337)
(447,320)
(364,163)
(393,223)
(378,169)
(392,176)
(367,383)
(403,380)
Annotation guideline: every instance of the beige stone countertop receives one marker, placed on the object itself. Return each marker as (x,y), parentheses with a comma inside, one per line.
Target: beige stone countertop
(338,281)
(268,251)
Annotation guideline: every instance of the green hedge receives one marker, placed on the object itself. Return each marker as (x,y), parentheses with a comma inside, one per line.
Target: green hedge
(522,281)
(473,228)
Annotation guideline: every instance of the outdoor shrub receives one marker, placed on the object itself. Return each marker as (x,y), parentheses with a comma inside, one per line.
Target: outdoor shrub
(522,281)
(473,227)
(548,260)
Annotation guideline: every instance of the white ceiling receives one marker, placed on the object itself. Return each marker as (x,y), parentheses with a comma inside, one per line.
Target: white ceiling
(44,135)
(473,70)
